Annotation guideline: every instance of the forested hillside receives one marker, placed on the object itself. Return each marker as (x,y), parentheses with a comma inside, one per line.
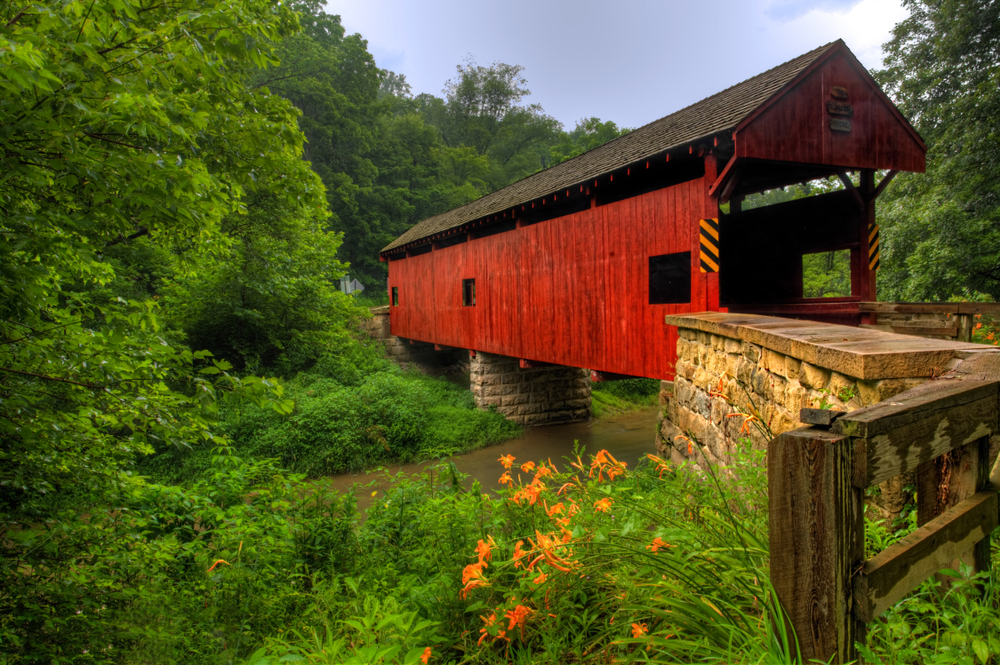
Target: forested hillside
(390,158)
(182,185)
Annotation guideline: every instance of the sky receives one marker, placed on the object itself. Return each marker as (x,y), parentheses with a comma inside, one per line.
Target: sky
(630,61)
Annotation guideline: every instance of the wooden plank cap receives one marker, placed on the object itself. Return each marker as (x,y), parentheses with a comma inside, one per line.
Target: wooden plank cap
(821,417)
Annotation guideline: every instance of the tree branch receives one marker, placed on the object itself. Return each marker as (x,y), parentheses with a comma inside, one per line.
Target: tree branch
(104,138)
(143,231)
(51,378)
(17,17)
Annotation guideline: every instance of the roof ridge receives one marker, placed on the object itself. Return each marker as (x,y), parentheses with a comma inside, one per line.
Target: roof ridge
(657,142)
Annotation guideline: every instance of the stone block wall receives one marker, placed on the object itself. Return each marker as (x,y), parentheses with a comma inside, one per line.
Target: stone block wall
(537,396)
(719,377)
(729,368)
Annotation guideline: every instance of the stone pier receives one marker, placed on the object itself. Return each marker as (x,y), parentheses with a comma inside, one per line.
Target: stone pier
(547,395)
(404,352)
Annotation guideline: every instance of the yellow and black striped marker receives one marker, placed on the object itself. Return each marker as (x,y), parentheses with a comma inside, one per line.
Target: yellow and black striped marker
(873,251)
(709,245)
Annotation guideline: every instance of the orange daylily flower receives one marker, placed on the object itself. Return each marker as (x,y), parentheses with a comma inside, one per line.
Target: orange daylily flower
(661,464)
(572,482)
(490,622)
(747,419)
(473,578)
(426,656)
(719,390)
(639,629)
(218,561)
(505,479)
(657,544)
(603,505)
(485,550)
(684,438)
(540,579)
(529,492)
(603,463)
(547,546)
(518,616)
(557,509)
(528,467)
(507,461)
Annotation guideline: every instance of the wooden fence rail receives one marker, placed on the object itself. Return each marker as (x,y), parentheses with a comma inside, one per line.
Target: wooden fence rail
(817,477)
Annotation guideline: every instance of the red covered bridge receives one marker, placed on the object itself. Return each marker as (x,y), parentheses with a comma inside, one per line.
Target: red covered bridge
(577,265)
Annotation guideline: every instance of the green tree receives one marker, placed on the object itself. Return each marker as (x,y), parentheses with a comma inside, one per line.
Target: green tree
(588,134)
(941,230)
(269,303)
(119,121)
(332,79)
(483,111)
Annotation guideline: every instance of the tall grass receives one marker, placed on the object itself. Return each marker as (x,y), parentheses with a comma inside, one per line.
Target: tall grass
(592,562)
(609,398)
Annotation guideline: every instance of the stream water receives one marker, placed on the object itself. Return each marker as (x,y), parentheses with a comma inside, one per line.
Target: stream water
(628,437)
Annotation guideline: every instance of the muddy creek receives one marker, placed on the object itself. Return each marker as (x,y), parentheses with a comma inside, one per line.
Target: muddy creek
(629,437)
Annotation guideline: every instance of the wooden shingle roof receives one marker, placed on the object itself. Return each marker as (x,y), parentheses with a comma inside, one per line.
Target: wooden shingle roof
(721,112)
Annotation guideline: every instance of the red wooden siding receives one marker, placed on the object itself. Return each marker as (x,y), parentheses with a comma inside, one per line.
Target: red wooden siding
(572,290)
(796,126)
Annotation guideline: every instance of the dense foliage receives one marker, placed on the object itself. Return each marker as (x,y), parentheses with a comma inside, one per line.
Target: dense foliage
(941,230)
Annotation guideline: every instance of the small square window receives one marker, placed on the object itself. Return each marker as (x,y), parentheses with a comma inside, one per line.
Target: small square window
(670,279)
(469,292)
(395,296)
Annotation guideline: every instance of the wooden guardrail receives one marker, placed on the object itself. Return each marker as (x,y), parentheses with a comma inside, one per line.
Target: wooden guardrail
(958,326)
(817,477)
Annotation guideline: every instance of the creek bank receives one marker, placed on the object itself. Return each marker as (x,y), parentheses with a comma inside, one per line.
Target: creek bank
(628,437)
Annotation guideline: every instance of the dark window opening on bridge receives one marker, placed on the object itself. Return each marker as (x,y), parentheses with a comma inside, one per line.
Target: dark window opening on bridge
(670,279)
(395,296)
(826,274)
(469,292)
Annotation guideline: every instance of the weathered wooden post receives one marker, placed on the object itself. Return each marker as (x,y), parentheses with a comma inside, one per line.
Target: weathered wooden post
(816,480)
(816,539)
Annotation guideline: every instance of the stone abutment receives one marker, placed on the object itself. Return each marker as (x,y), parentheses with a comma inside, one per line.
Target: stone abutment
(738,376)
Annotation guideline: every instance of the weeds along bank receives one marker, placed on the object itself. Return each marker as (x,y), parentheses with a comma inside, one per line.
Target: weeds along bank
(349,412)
(360,408)
(612,397)
(576,561)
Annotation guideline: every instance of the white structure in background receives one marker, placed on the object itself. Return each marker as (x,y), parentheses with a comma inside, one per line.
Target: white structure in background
(348,285)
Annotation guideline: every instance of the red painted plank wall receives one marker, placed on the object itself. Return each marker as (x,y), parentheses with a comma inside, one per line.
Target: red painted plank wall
(572,290)
(796,127)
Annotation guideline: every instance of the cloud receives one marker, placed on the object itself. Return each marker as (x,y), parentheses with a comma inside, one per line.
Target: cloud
(786,10)
(864,27)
